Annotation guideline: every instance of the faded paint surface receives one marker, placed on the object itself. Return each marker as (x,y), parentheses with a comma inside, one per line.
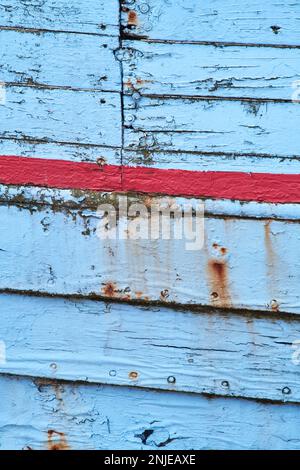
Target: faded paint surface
(151,347)
(246,263)
(81,416)
(272,22)
(158,85)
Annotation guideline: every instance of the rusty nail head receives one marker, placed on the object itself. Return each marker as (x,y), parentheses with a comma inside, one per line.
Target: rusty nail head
(133,375)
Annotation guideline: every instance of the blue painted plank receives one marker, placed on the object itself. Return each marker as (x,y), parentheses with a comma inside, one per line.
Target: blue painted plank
(61,115)
(61,253)
(95,16)
(212,125)
(206,70)
(62,416)
(60,59)
(201,161)
(53,151)
(250,21)
(152,347)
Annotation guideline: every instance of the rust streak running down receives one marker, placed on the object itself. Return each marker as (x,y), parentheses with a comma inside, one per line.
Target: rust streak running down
(57,441)
(218,279)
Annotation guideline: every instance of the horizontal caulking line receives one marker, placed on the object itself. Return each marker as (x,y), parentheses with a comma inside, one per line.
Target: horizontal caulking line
(258,187)
(24,29)
(132,37)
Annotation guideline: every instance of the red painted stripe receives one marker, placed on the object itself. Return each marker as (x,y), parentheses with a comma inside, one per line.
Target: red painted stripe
(59,174)
(62,174)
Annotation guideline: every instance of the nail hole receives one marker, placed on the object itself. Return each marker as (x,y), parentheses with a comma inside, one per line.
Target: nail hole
(171,379)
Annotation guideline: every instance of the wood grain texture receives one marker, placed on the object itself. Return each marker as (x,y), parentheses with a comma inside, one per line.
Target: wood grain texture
(208,161)
(207,70)
(61,115)
(211,125)
(32,148)
(60,60)
(152,347)
(271,22)
(95,16)
(244,264)
(61,416)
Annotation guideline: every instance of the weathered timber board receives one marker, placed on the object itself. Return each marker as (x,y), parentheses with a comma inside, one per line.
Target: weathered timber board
(58,416)
(153,347)
(207,70)
(53,151)
(244,264)
(94,16)
(211,125)
(270,22)
(59,59)
(209,161)
(61,115)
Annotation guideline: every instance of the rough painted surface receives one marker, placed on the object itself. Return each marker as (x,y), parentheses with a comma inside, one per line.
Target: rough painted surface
(155,347)
(187,102)
(61,115)
(212,125)
(245,263)
(208,70)
(59,416)
(255,187)
(94,16)
(271,22)
(59,59)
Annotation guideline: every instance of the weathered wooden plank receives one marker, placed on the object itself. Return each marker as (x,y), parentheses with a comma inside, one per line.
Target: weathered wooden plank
(244,264)
(212,125)
(153,347)
(61,115)
(61,416)
(271,22)
(48,197)
(201,161)
(95,16)
(207,70)
(53,151)
(59,59)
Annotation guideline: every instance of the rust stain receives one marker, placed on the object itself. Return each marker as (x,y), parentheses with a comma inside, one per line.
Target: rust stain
(138,84)
(133,375)
(271,258)
(268,244)
(132,18)
(222,250)
(57,441)
(139,295)
(109,289)
(218,278)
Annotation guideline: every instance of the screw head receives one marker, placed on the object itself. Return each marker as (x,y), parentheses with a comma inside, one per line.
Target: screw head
(171,379)
(144,8)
